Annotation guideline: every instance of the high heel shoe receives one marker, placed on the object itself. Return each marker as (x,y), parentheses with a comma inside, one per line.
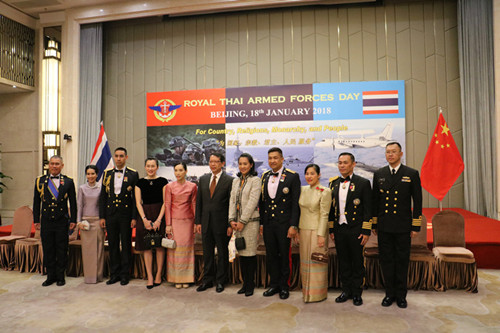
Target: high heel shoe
(150,286)
(156,284)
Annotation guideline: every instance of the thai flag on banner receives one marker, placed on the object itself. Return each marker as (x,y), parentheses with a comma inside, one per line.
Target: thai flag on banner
(380,102)
(102,154)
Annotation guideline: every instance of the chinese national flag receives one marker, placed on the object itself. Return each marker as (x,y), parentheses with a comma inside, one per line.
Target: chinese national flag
(443,163)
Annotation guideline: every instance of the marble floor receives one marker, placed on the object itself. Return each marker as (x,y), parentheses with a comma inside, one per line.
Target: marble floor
(26,306)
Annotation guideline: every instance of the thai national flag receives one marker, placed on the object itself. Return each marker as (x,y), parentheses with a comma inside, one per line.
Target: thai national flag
(102,154)
(380,102)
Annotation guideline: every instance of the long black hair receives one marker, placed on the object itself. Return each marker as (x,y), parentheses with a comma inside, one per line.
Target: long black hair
(249,157)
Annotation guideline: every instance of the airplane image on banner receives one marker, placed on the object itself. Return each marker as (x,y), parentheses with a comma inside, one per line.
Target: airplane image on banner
(358,139)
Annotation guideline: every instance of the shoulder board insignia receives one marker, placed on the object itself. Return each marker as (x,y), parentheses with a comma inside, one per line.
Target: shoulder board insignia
(291,171)
(333,179)
(108,169)
(132,169)
(267,171)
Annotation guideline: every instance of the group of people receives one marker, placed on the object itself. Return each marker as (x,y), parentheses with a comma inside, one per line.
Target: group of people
(275,206)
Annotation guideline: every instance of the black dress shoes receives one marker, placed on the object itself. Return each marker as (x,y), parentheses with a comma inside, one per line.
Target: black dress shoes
(219,288)
(124,281)
(241,291)
(47,283)
(284,294)
(357,300)
(249,292)
(113,280)
(342,298)
(401,302)
(204,286)
(271,291)
(387,301)
(61,283)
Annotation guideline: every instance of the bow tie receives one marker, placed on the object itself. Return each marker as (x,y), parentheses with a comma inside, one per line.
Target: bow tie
(347,179)
(120,171)
(54,177)
(275,174)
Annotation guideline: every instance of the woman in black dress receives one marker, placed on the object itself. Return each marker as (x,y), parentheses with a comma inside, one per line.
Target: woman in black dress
(149,199)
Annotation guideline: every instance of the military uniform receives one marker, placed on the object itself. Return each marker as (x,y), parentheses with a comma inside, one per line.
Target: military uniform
(358,215)
(393,218)
(118,210)
(50,208)
(277,215)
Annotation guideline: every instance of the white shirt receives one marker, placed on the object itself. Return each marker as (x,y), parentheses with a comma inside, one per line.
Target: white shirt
(343,190)
(272,184)
(396,168)
(56,181)
(119,181)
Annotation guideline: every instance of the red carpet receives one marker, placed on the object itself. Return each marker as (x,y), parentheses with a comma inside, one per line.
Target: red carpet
(482,236)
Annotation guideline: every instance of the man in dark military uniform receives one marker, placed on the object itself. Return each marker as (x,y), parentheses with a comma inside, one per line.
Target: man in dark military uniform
(279,215)
(394,188)
(53,192)
(351,216)
(118,215)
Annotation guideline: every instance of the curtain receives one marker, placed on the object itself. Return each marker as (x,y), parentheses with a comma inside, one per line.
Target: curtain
(475,43)
(90,92)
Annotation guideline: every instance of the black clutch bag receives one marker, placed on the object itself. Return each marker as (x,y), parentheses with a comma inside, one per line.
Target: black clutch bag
(240,244)
(152,239)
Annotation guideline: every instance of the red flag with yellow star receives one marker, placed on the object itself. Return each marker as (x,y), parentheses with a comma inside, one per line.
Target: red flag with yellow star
(443,163)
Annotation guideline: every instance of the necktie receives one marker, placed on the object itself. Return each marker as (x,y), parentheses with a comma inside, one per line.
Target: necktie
(275,174)
(212,186)
(54,177)
(120,171)
(393,172)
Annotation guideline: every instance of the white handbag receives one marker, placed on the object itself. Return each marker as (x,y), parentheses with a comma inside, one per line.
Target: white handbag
(168,243)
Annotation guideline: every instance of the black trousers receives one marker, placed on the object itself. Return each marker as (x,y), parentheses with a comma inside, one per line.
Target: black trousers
(119,231)
(248,267)
(211,239)
(394,254)
(351,262)
(278,254)
(54,236)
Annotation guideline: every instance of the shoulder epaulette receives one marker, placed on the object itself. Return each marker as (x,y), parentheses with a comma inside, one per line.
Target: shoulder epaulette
(333,179)
(291,171)
(66,177)
(132,169)
(108,169)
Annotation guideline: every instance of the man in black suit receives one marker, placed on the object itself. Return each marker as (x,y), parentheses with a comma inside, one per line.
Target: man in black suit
(118,215)
(351,224)
(394,188)
(279,214)
(53,192)
(211,218)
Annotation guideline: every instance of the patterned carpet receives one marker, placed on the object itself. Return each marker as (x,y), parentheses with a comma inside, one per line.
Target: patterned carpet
(25,306)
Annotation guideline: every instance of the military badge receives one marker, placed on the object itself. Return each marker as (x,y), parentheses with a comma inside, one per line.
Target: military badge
(62,181)
(406,179)
(356,201)
(283,178)
(129,188)
(125,179)
(286,190)
(352,187)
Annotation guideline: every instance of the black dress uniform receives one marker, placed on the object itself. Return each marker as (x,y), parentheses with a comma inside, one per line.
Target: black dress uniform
(54,217)
(358,214)
(393,218)
(119,210)
(277,215)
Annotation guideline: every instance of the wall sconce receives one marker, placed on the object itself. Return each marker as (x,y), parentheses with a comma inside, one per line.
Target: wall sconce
(50,100)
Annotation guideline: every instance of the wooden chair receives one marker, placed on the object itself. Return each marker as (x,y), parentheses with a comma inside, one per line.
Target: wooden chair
(456,265)
(21,228)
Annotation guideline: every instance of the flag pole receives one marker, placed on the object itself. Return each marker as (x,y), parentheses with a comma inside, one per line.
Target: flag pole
(440,202)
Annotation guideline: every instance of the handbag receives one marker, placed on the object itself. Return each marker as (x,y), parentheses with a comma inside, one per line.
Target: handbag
(153,239)
(319,256)
(240,244)
(168,243)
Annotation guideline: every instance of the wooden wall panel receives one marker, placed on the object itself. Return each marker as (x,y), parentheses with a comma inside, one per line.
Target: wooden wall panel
(415,41)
